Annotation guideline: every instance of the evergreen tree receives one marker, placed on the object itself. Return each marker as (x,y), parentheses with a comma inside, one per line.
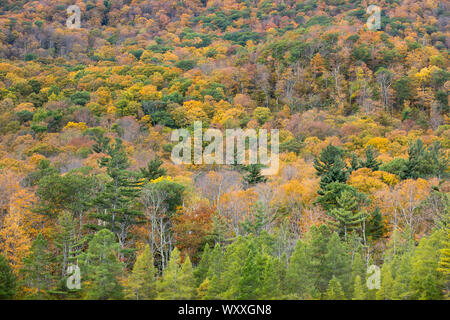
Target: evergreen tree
(271,284)
(330,166)
(101,269)
(258,221)
(427,283)
(201,271)
(253,175)
(386,291)
(444,262)
(371,162)
(7,280)
(328,198)
(178,282)
(141,284)
(225,281)
(420,162)
(375,226)
(250,283)
(68,245)
(334,290)
(354,163)
(336,263)
(299,280)
(347,218)
(116,201)
(153,170)
(358,290)
(37,268)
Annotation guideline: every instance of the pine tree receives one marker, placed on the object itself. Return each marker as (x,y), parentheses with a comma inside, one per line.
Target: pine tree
(258,221)
(178,282)
(141,284)
(386,291)
(153,170)
(346,215)
(36,271)
(68,245)
(337,263)
(201,271)
(116,201)
(100,267)
(254,175)
(375,226)
(299,280)
(330,166)
(420,162)
(271,286)
(358,290)
(334,290)
(7,280)
(354,163)
(358,268)
(426,282)
(251,279)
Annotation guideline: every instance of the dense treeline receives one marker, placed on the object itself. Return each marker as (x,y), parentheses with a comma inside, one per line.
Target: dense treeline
(86,177)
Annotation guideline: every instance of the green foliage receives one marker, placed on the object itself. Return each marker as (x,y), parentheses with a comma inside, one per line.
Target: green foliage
(101,269)
(141,284)
(330,166)
(7,280)
(178,281)
(37,268)
(153,170)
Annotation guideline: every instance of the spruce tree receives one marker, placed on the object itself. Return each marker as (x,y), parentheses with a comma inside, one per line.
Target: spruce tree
(7,280)
(100,267)
(141,284)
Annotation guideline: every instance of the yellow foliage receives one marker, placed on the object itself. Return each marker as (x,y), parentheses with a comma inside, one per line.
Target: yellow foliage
(76,125)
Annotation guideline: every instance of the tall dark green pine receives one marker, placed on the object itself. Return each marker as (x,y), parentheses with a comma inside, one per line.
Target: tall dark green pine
(153,170)
(116,202)
(7,280)
(375,227)
(420,161)
(346,216)
(68,244)
(330,166)
(36,271)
